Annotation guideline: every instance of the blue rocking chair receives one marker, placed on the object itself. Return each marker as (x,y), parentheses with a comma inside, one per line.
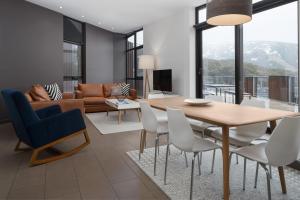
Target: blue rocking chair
(44,128)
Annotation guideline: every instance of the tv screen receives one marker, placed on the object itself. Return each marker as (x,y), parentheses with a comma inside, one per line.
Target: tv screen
(162,80)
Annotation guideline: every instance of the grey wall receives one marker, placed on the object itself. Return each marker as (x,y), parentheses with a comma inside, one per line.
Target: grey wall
(99,55)
(31,39)
(31,49)
(119,58)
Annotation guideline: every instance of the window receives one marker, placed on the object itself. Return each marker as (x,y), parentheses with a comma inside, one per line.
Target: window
(201,14)
(134,76)
(271,56)
(218,61)
(72,66)
(262,55)
(73,48)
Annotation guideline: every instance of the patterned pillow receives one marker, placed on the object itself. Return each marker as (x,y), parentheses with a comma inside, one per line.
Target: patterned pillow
(53,91)
(125,89)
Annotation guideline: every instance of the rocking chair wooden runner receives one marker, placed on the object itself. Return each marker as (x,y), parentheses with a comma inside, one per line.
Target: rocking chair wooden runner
(44,128)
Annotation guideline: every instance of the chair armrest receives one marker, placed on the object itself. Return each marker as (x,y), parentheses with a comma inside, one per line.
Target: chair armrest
(65,104)
(68,95)
(55,127)
(78,94)
(48,111)
(133,93)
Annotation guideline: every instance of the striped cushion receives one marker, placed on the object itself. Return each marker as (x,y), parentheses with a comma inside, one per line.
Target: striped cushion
(53,91)
(125,89)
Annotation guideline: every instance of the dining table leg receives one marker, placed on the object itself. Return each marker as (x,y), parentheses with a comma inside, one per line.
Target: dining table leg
(280,169)
(225,151)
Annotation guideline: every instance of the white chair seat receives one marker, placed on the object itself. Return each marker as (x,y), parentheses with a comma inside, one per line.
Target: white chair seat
(201,145)
(234,138)
(254,152)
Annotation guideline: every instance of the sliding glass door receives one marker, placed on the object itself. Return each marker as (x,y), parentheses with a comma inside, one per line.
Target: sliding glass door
(271,57)
(218,61)
(256,60)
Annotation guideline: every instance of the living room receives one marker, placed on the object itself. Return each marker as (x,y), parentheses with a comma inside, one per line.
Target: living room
(149,100)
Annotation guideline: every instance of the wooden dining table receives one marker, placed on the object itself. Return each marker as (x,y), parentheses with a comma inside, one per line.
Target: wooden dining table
(226,116)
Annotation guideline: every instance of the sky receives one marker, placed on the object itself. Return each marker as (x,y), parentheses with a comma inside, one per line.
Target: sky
(278,24)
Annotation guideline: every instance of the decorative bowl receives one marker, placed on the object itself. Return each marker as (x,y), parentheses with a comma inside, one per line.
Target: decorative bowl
(197,102)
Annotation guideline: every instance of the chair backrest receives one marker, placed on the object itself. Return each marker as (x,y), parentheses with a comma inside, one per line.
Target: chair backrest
(149,120)
(215,98)
(254,102)
(180,132)
(254,130)
(284,144)
(20,112)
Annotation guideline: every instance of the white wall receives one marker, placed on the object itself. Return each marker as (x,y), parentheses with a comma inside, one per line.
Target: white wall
(172,41)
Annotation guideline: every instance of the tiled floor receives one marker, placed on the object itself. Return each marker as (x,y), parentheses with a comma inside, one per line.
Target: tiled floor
(100,171)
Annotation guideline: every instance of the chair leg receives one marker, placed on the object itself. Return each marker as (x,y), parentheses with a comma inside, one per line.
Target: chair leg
(166,164)
(155,154)
(268,180)
(186,160)
(34,158)
(158,145)
(270,170)
(213,159)
(192,176)
(141,143)
(256,175)
(244,175)
(199,162)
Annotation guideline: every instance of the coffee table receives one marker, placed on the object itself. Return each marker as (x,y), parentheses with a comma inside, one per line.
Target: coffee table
(127,104)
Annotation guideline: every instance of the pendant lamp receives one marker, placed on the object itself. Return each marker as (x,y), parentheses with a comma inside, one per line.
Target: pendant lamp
(229,12)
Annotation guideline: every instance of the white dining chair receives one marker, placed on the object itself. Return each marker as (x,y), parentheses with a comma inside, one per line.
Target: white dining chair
(183,138)
(282,148)
(243,135)
(200,126)
(153,124)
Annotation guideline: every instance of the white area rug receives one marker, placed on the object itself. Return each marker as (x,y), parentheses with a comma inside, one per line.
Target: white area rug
(109,124)
(210,186)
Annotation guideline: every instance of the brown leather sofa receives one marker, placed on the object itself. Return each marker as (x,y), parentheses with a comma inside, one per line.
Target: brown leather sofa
(39,98)
(94,96)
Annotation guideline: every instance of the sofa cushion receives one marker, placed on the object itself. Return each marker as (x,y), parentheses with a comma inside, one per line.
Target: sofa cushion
(28,96)
(93,100)
(107,87)
(91,90)
(38,93)
(116,91)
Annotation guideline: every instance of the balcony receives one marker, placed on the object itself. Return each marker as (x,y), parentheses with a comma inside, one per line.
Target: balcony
(279,92)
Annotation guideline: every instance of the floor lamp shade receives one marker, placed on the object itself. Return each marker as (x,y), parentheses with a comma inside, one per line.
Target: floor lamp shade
(229,12)
(146,62)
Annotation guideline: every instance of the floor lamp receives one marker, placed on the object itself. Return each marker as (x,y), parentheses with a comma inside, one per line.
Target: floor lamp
(146,62)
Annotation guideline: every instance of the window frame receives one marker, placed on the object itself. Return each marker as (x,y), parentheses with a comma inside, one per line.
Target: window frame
(258,7)
(134,49)
(82,44)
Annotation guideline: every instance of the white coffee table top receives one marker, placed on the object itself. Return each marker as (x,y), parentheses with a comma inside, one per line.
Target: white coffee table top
(127,104)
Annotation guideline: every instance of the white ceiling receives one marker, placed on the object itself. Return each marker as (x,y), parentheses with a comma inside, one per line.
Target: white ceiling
(121,16)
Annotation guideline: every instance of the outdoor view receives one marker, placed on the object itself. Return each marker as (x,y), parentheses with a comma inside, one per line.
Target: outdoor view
(270,56)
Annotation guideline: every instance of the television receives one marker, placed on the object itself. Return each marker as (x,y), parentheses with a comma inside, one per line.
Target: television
(162,80)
